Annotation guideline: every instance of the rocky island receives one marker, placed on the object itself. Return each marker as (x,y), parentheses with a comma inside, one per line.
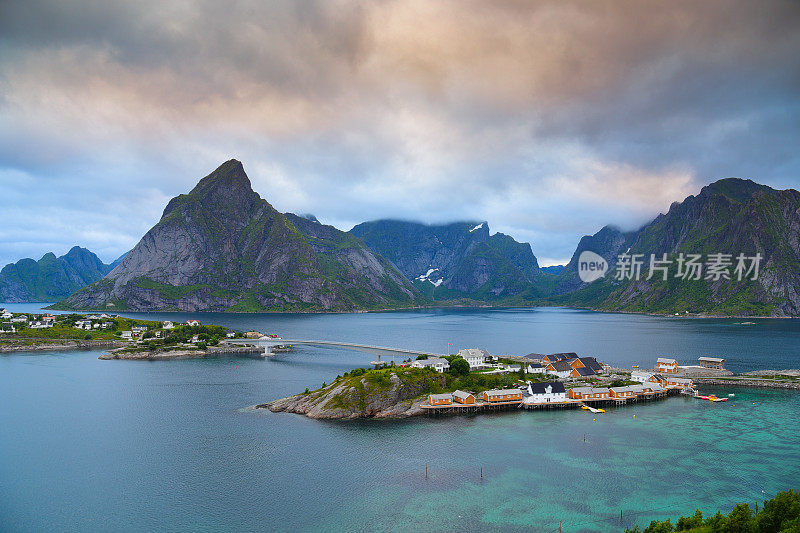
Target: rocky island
(393,392)
(184,352)
(389,393)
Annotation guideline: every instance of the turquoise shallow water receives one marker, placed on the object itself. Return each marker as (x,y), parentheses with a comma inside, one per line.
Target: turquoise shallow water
(133,446)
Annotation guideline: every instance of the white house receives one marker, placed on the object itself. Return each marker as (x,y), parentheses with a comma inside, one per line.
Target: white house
(561,369)
(474,356)
(168,324)
(551,392)
(641,376)
(127,335)
(439,364)
(5,313)
(83,324)
(19,319)
(535,368)
(192,322)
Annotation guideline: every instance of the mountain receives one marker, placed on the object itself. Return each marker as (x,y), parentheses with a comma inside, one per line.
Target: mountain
(221,247)
(553,269)
(50,278)
(458,260)
(609,242)
(731,216)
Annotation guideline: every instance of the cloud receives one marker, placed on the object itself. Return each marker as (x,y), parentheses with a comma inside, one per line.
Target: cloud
(547,119)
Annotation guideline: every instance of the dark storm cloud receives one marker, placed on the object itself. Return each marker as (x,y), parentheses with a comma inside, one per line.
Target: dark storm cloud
(548,119)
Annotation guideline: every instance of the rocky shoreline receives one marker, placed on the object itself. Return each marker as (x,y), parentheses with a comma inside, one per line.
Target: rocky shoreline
(752,383)
(356,399)
(182,353)
(59,344)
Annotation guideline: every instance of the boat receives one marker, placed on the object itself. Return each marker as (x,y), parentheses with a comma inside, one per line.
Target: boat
(713,398)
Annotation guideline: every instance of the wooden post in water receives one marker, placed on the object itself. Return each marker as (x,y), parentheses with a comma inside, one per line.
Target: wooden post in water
(481,471)
(426,470)
(620,517)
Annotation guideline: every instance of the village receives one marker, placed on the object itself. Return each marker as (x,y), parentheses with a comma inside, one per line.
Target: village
(565,380)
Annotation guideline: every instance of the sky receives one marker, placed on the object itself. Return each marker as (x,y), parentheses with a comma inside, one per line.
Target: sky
(547,119)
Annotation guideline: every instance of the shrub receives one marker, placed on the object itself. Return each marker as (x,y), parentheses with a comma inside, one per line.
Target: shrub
(87,337)
(741,519)
(659,527)
(690,522)
(459,366)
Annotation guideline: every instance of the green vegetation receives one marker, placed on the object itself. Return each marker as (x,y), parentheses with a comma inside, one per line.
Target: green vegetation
(780,514)
(459,367)
(622,383)
(110,329)
(169,292)
(63,328)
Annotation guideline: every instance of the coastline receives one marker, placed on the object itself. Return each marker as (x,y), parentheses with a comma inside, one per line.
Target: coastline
(125,353)
(475,305)
(64,344)
(749,382)
(326,404)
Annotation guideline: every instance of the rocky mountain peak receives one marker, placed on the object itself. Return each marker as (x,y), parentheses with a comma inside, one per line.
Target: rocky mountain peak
(226,190)
(735,189)
(230,175)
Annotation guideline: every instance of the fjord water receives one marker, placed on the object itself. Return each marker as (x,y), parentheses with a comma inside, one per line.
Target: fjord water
(131,445)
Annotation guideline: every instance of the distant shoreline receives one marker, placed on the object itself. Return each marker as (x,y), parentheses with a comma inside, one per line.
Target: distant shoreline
(476,306)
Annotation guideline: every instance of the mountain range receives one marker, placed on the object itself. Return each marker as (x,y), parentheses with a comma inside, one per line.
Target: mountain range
(221,247)
(730,217)
(452,261)
(51,278)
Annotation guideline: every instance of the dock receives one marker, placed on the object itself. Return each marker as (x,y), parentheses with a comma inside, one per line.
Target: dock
(592,404)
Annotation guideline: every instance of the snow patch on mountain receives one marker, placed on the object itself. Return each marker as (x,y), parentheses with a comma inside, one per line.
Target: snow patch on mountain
(429,276)
(479,226)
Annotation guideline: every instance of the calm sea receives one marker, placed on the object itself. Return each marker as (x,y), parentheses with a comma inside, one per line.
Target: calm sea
(90,445)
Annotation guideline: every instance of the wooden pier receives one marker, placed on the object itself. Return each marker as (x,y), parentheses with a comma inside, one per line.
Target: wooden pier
(480,407)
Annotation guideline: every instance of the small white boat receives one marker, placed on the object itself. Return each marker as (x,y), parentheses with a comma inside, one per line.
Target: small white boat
(731,395)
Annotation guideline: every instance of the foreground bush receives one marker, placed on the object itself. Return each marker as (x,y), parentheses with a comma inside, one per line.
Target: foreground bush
(780,514)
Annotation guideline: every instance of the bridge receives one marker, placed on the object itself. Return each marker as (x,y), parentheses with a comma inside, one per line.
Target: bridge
(269,342)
